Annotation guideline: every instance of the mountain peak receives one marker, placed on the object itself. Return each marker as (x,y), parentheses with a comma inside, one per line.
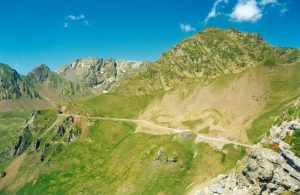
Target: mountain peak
(13,85)
(39,74)
(99,73)
(42,67)
(216,51)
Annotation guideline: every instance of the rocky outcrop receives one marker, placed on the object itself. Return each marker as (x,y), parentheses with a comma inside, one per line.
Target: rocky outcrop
(66,133)
(266,171)
(36,144)
(23,142)
(61,130)
(165,158)
(72,135)
(68,130)
(20,146)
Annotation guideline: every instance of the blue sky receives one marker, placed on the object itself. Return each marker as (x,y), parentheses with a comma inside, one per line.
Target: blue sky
(56,32)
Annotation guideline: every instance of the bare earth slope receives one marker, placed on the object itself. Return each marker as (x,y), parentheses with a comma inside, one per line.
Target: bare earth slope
(227,110)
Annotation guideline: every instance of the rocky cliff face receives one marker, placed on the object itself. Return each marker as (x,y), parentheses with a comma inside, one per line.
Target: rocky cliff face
(266,171)
(99,73)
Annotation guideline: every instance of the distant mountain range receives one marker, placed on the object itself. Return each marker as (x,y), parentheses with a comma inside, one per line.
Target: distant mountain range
(98,73)
(75,80)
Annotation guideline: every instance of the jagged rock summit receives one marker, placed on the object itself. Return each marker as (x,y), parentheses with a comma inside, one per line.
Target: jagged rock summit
(39,74)
(98,72)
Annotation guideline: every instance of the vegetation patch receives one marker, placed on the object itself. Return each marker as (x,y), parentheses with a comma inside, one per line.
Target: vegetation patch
(192,124)
(204,130)
(282,90)
(10,124)
(115,104)
(117,160)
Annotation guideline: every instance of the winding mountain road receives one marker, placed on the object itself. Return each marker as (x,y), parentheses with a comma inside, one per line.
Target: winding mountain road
(173,130)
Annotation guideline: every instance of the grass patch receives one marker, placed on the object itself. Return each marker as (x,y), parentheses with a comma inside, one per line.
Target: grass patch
(113,159)
(204,130)
(115,105)
(192,124)
(10,124)
(44,120)
(283,84)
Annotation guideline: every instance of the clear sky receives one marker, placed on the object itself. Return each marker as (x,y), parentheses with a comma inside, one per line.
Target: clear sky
(56,32)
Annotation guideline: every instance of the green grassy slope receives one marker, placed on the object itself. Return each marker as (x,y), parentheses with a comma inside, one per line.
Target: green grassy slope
(113,159)
(10,124)
(117,104)
(283,85)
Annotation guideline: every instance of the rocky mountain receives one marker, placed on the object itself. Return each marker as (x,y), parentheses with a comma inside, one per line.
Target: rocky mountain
(41,84)
(212,53)
(50,82)
(99,73)
(13,85)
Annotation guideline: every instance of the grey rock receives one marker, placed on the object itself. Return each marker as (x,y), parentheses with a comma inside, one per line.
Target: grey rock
(99,73)
(37,144)
(291,159)
(72,135)
(23,142)
(20,146)
(265,172)
(61,130)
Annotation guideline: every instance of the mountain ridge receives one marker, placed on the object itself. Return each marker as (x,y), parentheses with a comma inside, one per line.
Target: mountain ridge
(220,84)
(41,86)
(99,72)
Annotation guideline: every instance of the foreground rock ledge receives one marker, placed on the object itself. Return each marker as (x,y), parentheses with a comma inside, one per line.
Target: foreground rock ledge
(265,171)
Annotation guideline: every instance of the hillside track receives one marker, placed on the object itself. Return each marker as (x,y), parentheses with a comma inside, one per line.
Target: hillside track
(151,125)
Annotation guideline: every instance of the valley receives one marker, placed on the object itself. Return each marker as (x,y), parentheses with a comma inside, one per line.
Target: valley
(180,125)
